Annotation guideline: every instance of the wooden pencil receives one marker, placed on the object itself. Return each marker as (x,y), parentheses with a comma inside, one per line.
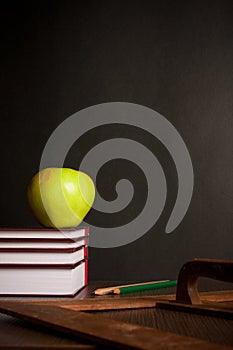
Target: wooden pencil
(144,286)
(110,290)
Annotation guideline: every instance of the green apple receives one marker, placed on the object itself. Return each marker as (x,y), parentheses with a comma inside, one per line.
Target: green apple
(60,197)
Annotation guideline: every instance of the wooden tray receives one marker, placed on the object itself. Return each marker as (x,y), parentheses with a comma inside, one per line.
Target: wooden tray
(68,316)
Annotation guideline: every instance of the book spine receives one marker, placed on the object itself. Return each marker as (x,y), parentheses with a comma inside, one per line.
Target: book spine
(86,273)
(85,252)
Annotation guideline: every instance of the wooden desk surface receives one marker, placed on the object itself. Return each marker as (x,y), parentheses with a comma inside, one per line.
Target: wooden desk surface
(18,334)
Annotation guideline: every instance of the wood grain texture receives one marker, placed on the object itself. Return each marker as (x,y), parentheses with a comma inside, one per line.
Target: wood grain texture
(51,347)
(118,302)
(213,329)
(191,271)
(101,331)
(224,310)
(18,334)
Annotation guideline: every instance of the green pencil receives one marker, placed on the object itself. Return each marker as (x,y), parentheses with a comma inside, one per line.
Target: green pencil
(144,286)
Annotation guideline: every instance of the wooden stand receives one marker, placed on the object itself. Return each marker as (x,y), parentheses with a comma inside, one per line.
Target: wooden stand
(187,296)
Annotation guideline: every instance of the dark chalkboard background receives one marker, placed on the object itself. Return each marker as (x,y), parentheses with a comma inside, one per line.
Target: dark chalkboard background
(172,56)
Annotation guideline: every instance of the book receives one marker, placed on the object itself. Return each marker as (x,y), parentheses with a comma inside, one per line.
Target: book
(40,234)
(41,246)
(48,279)
(55,256)
(38,261)
(40,239)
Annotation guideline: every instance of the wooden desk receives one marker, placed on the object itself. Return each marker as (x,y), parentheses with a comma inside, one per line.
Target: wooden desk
(18,334)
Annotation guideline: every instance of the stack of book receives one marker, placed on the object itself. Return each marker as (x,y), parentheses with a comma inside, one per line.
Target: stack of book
(43,261)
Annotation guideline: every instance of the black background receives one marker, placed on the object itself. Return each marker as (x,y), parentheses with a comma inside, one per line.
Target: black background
(172,56)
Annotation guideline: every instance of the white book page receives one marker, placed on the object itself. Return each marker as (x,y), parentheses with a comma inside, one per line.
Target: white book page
(43,245)
(42,281)
(42,257)
(43,233)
